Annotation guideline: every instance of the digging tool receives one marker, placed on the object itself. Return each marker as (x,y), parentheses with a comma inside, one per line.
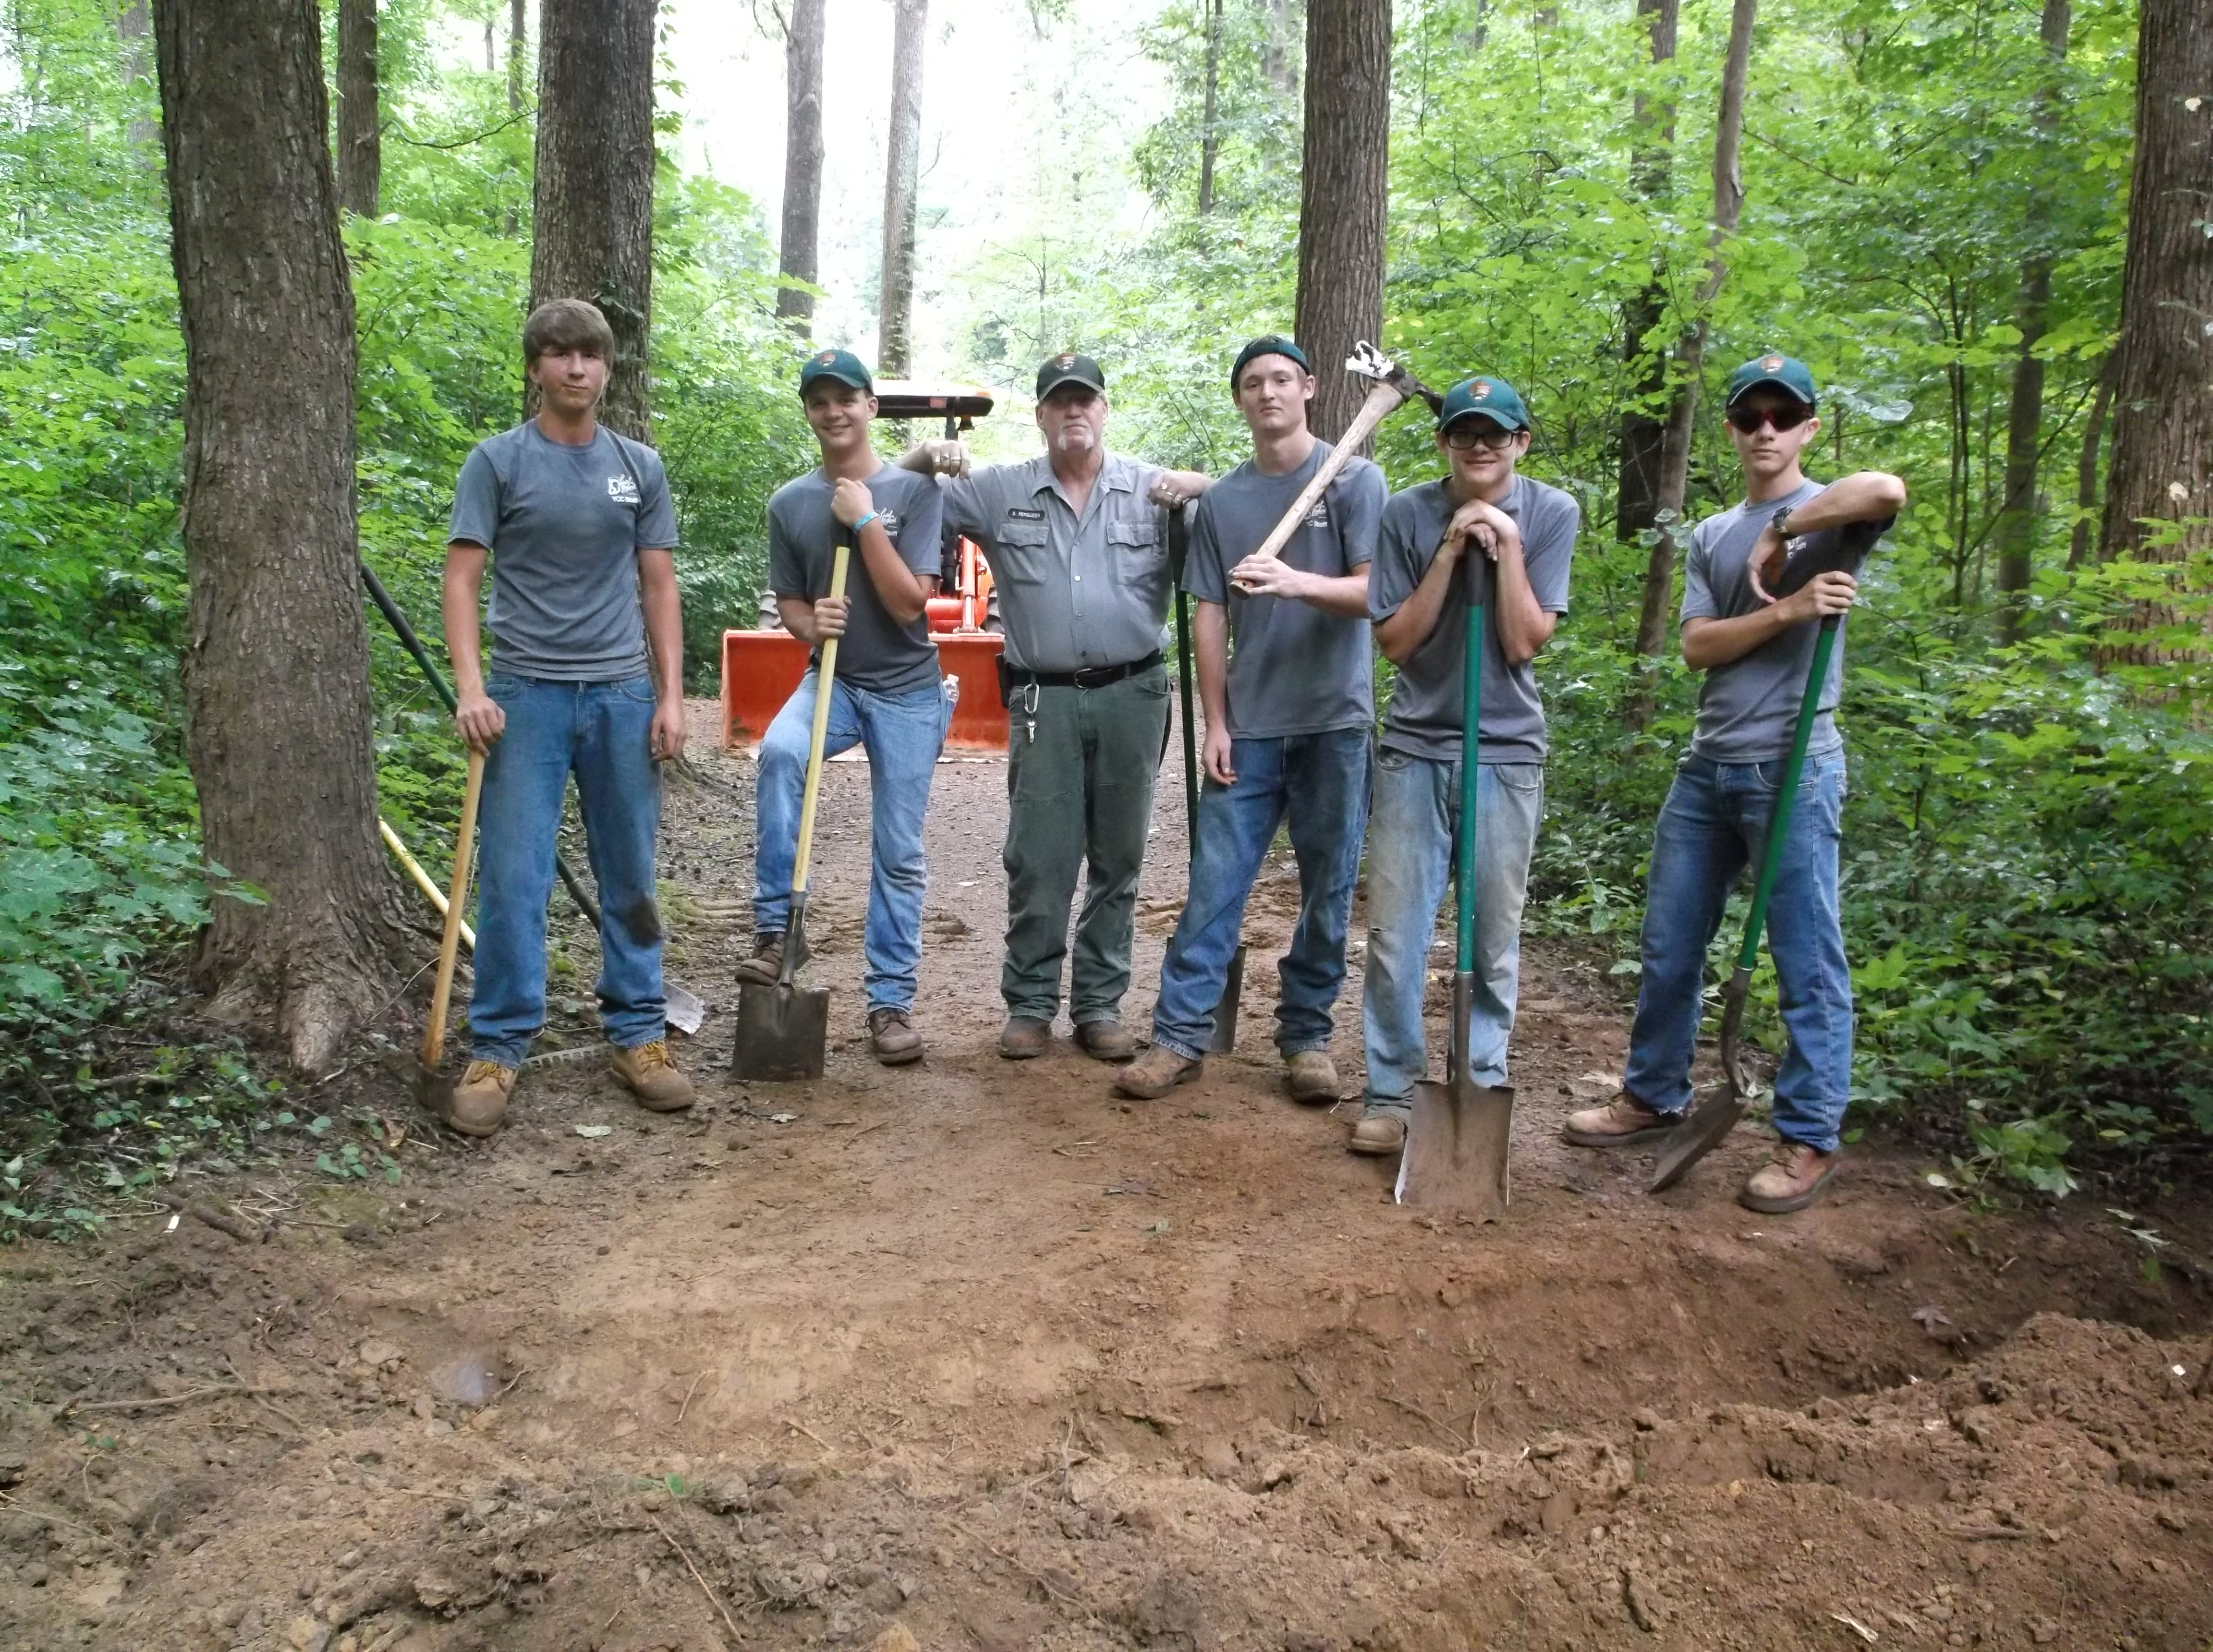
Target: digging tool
(1233,985)
(432,1089)
(784,1030)
(414,869)
(1456,1146)
(683,1009)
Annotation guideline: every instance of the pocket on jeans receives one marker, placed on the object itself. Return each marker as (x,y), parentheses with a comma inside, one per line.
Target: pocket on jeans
(639,689)
(1393,760)
(1525,777)
(501,686)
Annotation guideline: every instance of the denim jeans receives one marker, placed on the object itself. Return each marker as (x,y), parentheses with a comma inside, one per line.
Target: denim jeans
(1409,858)
(601,733)
(1714,824)
(1320,782)
(903,735)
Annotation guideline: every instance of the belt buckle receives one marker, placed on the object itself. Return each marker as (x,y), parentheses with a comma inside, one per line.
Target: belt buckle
(1095,676)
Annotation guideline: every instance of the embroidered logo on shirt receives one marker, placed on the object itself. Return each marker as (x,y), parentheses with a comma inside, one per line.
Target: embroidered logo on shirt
(1319,517)
(1016,514)
(890,521)
(623,490)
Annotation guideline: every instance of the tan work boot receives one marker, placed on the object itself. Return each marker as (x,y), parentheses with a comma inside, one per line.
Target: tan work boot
(1378,1134)
(1024,1037)
(1792,1178)
(1623,1122)
(1107,1041)
(892,1037)
(766,964)
(1156,1072)
(477,1104)
(649,1074)
(1312,1077)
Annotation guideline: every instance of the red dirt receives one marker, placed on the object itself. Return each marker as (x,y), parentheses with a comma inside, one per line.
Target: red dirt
(971,1355)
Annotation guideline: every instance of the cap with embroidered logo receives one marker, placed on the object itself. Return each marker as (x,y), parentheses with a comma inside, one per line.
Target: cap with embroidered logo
(1268,344)
(840,364)
(1491,398)
(1069,369)
(1794,377)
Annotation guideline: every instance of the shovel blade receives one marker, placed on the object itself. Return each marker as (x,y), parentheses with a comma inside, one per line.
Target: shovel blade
(1710,1121)
(783,1032)
(1225,1013)
(1457,1147)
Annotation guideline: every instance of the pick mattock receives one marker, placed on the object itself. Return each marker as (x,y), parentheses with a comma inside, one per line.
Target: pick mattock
(1233,986)
(432,1089)
(784,1030)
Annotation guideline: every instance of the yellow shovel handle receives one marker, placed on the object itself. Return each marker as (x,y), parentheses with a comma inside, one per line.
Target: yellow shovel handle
(414,868)
(434,1035)
(820,737)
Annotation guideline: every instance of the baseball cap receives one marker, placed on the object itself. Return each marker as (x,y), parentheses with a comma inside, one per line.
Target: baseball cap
(840,364)
(1494,399)
(1066,369)
(1781,371)
(1268,344)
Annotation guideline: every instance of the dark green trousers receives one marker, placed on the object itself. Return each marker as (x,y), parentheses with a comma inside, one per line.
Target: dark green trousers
(1080,797)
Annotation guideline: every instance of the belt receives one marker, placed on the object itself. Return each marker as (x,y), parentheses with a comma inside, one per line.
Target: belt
(1093,677)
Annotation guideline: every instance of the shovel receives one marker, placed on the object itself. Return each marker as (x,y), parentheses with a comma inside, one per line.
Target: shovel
(1233,986)
(784,1030)
(1456,1148)
(432,1089)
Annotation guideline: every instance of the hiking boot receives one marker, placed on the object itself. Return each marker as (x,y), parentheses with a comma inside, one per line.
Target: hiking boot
(649,1074)
(1312,1077)
(767,964)
(1024,1037)
(1156,1072)
(1107,1041)
(1792,1178)
(1623,1122)
(477,1104)
(892,1037)
(1378,1134)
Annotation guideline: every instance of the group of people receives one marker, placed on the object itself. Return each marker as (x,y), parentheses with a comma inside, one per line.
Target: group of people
(578,524)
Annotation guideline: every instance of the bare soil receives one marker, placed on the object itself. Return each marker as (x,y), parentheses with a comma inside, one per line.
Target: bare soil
(972,1355)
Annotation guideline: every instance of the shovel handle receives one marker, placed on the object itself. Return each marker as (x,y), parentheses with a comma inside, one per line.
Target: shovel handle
(441,994)
(824,681)
(1477,567)
(1786,798)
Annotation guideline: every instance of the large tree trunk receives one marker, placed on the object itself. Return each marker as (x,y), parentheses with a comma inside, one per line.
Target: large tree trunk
(518,50)
(276,669)
(803,162)
(361,151)
(591,206)
(1637,495)
(1210,140)
(132,24)
(2086,465)
(1344,192)
(902,177)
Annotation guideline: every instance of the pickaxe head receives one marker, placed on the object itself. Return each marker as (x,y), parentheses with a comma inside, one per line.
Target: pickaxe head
(1369,363)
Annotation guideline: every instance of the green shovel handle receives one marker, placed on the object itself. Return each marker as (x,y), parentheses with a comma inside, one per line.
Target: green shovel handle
(1786,799)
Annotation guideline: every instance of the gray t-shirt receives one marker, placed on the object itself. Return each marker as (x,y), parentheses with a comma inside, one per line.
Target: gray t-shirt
(1425,712)
(1748,709)
(564,525)
(877,653)
(1293,669)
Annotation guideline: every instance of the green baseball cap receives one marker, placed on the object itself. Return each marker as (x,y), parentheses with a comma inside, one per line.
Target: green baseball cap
(1066,369)
(1268,344)
(840,364)
(1494,399)
(1781,371)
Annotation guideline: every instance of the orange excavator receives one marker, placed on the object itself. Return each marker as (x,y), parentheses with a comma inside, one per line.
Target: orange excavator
(761,667)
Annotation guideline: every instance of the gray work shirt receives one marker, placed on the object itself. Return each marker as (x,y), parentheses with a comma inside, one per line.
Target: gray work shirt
(1293,668)
(564,524)
(1427,705)
(1075,592)
(1748,709)
(877,653)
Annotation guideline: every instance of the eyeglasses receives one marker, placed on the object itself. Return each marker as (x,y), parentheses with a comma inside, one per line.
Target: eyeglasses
(1469,434)
(1749,419)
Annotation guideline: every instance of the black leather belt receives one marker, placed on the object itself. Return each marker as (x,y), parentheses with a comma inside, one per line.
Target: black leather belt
(1095,677)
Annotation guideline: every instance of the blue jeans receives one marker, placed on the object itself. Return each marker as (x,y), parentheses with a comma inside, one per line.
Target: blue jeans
(1320,782)
(601,733)
(903,735)
(1410,856)
(1714,824)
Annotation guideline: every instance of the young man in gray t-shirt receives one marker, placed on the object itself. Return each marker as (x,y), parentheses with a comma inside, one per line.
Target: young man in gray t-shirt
(1757,653)
(577,529)
(1417,596)
(1290,714)
(887,696)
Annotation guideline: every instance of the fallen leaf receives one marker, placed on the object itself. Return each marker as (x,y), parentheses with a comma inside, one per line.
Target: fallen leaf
(594,1132)
(782,1117)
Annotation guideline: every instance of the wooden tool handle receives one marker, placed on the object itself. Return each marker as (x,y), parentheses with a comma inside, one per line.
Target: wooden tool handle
(823,680)
(414,868)
(1382,401)
(434,1035)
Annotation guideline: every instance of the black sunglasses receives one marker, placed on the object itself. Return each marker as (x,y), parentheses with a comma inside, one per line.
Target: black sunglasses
(1749,419)
(1467,433)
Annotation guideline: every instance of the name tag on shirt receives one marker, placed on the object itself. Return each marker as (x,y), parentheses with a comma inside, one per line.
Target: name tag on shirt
(1019,516)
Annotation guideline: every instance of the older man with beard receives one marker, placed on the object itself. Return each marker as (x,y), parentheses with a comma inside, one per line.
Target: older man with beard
(1078,553)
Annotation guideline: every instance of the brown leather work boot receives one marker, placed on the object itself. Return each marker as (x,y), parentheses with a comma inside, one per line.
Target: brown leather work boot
(1024,1037)
(1155,1073)
(1378,1134)
(892,1037)
(1107,1041)
(1311,1076)
(648,1073)
(767,964)
(1623,1122)
(1792,1178)
(477,1104)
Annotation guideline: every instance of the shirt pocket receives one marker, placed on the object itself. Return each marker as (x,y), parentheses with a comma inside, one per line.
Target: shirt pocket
(1020,553)
(1137,557)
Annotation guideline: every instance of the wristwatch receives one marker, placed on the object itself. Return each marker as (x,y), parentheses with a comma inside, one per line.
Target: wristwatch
(1780,522)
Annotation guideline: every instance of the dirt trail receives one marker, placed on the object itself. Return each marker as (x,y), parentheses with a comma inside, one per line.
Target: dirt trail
(970,1354)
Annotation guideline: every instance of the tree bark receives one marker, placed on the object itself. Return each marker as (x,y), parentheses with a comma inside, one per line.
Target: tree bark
(803,162)
(1637,495)
(518,49)
(360,154)
(902,177)
(276,669)
(592,204)
(1344,193)
(1210,140)
(133,26)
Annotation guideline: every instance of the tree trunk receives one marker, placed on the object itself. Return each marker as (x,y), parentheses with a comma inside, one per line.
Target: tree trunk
(2086,467)
(2015,531)
(132,24)
(591,206)
(803,162)
(1637,495)
(902,176)
(1344,192)
(1276,63)
(1210,140)
(518,48)
(361,157)
(276,669)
